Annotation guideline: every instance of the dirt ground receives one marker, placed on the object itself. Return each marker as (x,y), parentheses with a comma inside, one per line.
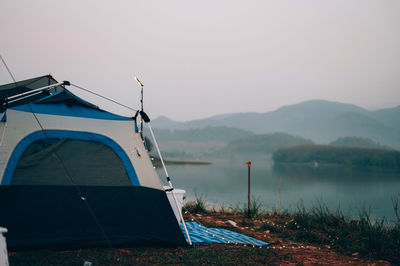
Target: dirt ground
(287,252)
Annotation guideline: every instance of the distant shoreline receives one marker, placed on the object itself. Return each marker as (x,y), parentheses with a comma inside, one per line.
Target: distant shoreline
(188,162)
(157,162)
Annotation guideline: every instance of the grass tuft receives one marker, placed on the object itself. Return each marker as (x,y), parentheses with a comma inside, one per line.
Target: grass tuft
(255,211)
(196,206)
(376,239)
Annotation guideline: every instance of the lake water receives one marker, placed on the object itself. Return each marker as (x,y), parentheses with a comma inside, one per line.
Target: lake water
(351,189)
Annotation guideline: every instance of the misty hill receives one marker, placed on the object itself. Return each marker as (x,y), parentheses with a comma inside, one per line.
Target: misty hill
(220,133)
(390,117)
(197,140)
(163,122)
(257,122)
(358,142)
(318,120)
(267,143)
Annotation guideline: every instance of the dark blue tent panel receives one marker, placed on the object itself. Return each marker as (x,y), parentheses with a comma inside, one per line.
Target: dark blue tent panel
(81,216)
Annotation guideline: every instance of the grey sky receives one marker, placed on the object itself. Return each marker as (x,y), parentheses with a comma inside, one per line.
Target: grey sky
(200,58)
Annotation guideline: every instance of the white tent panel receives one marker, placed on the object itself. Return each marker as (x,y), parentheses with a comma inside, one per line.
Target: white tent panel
(21,124)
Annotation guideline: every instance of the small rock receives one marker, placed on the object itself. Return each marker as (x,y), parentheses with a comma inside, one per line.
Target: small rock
(383,262)
(232,223)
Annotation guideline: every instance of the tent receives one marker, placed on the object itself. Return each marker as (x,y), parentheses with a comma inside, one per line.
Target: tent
(75,175)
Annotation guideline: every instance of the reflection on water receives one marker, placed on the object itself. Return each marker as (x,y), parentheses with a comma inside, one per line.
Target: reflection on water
(351,189)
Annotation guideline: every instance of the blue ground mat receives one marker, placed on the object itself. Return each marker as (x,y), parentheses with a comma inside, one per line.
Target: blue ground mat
(201,235)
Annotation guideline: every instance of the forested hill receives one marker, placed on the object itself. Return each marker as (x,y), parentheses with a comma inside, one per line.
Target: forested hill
(318,120)
(266,143)
(358,142)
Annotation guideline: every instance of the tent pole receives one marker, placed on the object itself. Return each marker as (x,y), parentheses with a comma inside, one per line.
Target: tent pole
(141,102)
(141,118)
(170,184)
(15,98)
(34,91)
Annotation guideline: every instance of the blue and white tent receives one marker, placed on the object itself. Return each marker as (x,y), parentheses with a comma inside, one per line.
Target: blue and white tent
(73,174)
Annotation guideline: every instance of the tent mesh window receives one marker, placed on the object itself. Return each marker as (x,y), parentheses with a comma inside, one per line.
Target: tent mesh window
(86,163)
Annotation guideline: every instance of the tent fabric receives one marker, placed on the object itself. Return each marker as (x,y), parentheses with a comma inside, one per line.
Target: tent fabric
(200,235)
(44,216)
(89,163)
(67,109)
(103,191)
(15,88)
(70,117)
(25,143)
(57,94)
(120,135)
(66,97)
(25,86)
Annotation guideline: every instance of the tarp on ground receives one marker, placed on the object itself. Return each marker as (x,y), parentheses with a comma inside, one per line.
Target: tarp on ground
(201,235)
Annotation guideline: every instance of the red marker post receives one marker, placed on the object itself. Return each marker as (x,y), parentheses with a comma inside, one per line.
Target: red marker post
(248,189)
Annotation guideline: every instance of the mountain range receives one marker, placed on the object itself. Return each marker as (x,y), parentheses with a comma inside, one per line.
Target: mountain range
(318,120)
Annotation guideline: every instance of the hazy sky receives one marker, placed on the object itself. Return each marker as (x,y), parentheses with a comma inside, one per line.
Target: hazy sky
(200,58)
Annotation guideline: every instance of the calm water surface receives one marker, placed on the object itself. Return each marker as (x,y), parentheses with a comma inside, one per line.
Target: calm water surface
(351,189)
